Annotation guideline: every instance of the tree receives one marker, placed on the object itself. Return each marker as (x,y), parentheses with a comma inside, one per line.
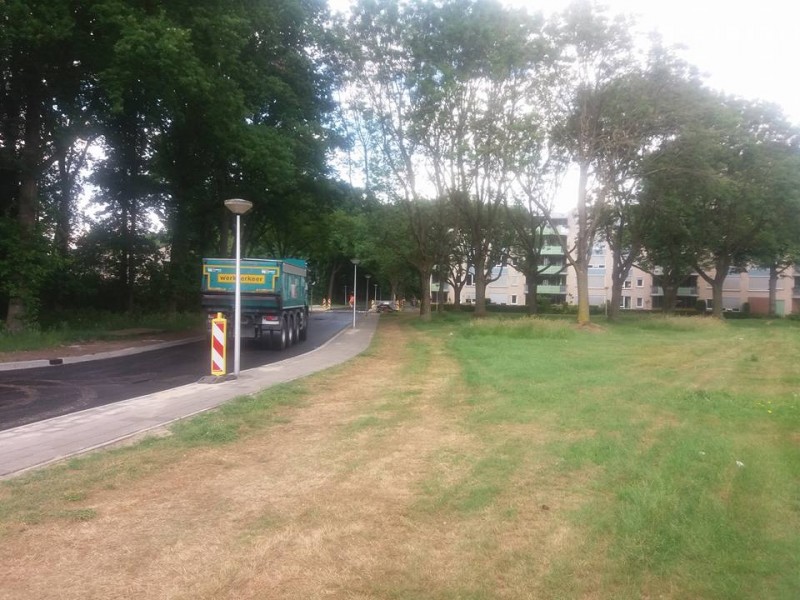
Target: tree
(778,244)
(639,111)
(44,59)
(482,69)
(531,231)
(595,52)
(450,88)
(715,182)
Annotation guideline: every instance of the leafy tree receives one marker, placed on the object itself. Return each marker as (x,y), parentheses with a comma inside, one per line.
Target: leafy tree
(481,70)
(716,183)
(44,53)
(778,244)
(531,232)
(595,52)
(639,111)
(379,67)
(450,89)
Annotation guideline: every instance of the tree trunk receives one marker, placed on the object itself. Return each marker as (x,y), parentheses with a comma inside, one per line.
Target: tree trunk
(425,287)
(618,274)
(18,309)
(716,288)
(670,297)
(582,248)
(480,287)
(178,259)
(773,288)
(331,281)
(616,300)
(457,296)
(61,235)
(532,283)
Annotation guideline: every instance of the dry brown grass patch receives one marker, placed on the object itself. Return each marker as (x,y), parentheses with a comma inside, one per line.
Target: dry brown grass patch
(324,502)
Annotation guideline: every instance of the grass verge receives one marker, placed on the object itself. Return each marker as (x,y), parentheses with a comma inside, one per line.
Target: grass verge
(94,325)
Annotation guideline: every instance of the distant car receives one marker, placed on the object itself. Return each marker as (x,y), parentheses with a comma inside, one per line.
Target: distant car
(386,307)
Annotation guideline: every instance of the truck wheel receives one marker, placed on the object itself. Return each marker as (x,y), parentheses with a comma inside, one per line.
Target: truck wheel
(284,339)
(263,339)
(304,330)
(297,337)
(290,330)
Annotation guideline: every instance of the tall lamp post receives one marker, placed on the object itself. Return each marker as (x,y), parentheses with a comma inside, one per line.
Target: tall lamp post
(238,207)
(376,293)
(355,262)
(367,278)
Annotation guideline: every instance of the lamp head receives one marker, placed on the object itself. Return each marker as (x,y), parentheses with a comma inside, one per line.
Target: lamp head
(238,206)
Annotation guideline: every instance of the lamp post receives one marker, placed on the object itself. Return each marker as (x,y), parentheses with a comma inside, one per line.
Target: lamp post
(367,277)
(375,295)
(355,262)
(238,207)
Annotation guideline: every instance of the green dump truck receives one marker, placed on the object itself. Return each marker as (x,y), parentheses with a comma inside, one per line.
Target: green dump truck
(274,295)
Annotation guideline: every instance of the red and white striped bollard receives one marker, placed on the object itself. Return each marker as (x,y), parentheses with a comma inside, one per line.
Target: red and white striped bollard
(219,327)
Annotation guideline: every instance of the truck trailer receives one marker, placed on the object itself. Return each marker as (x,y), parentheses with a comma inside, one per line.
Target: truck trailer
(274,297)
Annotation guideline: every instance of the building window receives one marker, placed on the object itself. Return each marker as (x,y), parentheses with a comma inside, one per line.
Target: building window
(470,279)
(626,285)
(625,302)
(640,303)
(513,298)
(639,282)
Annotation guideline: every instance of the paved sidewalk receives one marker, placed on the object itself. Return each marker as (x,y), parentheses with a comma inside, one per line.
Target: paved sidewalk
(38,444)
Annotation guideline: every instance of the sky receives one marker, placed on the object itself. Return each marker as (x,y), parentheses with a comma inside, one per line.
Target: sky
(749,48)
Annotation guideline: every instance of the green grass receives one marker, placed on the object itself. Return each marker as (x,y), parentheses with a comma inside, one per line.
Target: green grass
(685,440)
(60,329)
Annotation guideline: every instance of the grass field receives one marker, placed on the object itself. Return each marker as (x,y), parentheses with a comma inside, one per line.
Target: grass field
(93,325)
(499,458)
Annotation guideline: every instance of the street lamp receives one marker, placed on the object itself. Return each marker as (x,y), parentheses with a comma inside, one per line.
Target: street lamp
(367,277)
(375,295)
(355,262)
(238,207)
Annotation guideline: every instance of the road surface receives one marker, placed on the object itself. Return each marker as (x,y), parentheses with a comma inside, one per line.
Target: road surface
(31,395)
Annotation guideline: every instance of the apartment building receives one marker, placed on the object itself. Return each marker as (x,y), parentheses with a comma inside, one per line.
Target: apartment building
(641,290)
(509,286)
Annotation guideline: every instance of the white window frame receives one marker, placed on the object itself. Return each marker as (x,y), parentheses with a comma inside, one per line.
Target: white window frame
(640,282)
(640,303)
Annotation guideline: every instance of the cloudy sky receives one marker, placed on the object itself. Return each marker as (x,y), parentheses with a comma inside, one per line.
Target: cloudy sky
(745,47)
(749,48)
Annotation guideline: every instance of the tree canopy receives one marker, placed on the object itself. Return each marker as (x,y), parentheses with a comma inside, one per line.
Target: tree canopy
(451,122)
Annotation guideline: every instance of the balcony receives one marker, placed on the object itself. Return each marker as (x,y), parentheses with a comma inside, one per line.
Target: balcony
(796,292)
(551,289)
(552,270)
(657,290)
(552,251)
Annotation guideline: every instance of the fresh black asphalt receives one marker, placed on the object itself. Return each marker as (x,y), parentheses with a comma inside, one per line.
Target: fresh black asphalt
(31,395)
